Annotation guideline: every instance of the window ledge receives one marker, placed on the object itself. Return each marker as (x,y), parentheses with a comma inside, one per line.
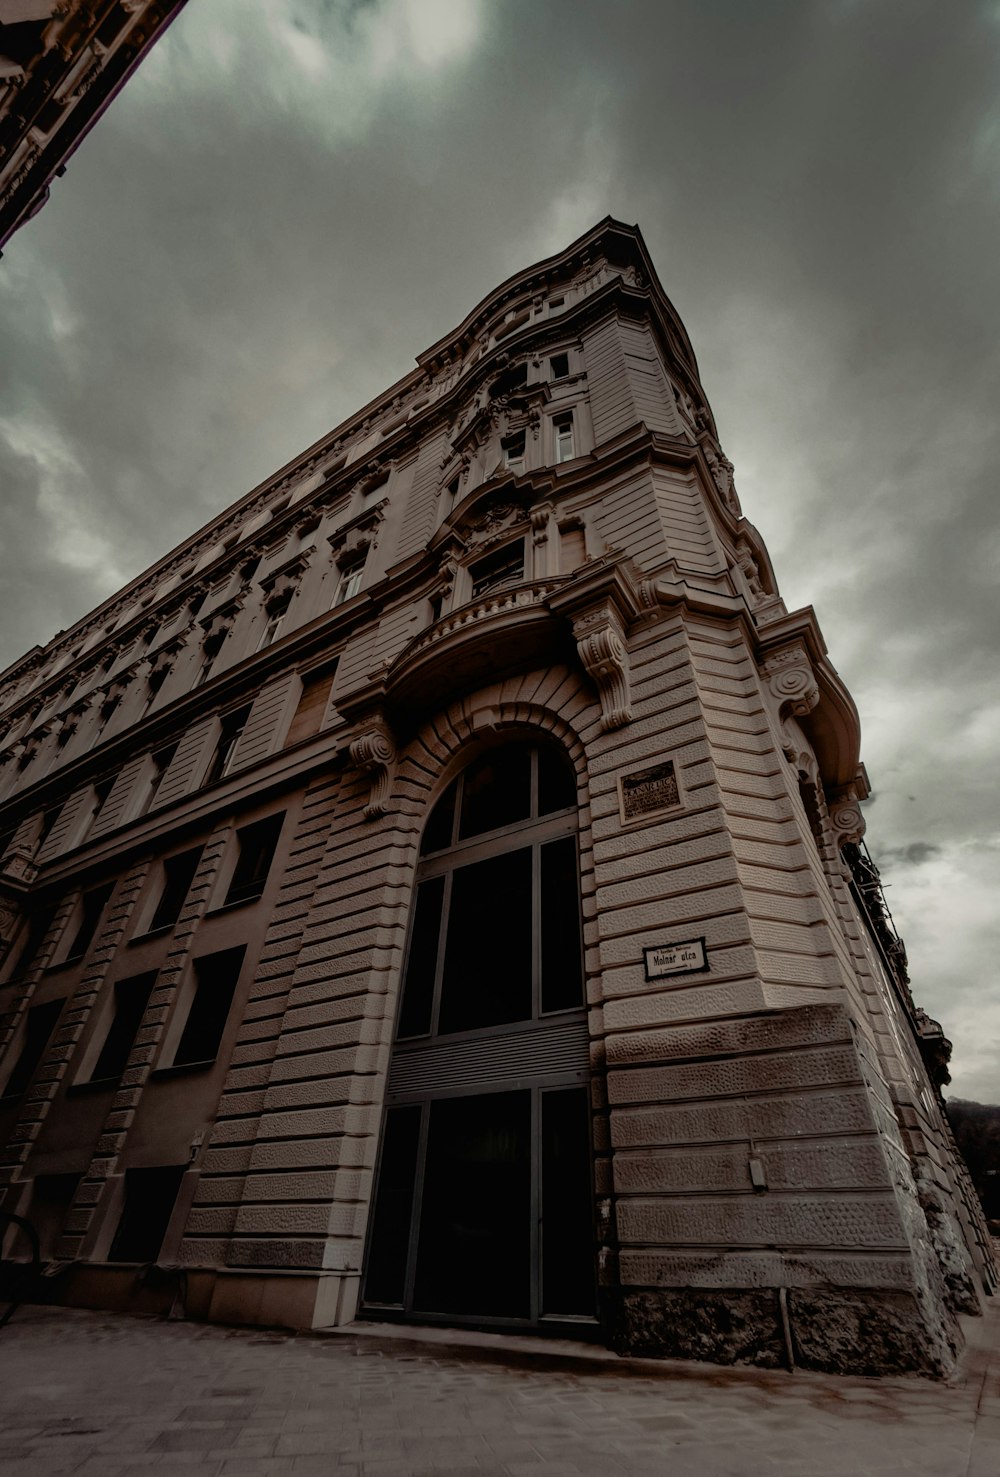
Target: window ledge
(101,1084)
(152,933)
(243,902)
(182,1069)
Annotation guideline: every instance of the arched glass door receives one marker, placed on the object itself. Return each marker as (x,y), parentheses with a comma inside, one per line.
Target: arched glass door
(483,1209)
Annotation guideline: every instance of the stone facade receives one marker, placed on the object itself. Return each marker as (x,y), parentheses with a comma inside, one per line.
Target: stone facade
(216,806)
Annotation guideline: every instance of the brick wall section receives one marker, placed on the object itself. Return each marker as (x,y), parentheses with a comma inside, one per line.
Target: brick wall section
(690,533)
(651,394)
(113,810)
(229,1157)
(269,717)
(421,514)
(188,763)
(35,1105)
(62,1047)
(108,1150)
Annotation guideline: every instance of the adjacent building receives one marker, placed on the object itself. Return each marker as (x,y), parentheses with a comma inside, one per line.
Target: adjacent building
(436,891)
(61,63)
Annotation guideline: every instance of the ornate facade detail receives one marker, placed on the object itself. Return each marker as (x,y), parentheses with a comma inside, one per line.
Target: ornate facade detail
(494,525)
(792,681)
(845,815)
(350,543)
(374,752)
(601,646)
(751,571)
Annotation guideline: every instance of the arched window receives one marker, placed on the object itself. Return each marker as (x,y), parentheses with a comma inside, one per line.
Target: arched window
(484,1202)
(496,927)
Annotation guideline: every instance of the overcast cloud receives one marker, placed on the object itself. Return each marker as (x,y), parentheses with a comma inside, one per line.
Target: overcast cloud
(293,198)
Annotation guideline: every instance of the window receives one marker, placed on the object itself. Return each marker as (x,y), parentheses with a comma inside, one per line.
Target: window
(34,937)
(349,583)
(178,874)
(28,1046)
(464,973)
(513,452)
(160,763)
(563,428)
(256,851)
(496,571)
(91,907)
(270,631)
(215,980)
(150,1196)
(230,733)
(131,997)
(207,659)
(311,709)
(101,792)
(559,366)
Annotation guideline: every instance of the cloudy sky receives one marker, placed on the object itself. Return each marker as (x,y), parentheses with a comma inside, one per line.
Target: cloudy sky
(293,198)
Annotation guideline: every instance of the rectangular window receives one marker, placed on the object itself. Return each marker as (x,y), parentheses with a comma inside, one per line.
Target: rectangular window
(559,366)
(563,429)
(102,790)
(349,584)
(230,733)
(28,1046)
(34,937)
(501,568)
(92,905)
(178,874)
(160,764)
(513,453)
(131,998)
(150,1196)
(216,977)
(256,851)
(270,631)
(311,709)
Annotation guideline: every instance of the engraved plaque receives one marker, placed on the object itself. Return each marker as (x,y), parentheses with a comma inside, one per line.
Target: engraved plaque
(648,791)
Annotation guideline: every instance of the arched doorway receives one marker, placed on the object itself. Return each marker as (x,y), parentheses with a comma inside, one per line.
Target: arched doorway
(484,1203)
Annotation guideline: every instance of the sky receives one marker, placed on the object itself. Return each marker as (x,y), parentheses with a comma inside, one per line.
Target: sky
(292,199)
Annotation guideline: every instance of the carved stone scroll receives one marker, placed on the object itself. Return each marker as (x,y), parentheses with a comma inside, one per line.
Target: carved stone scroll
(845,815)
(374,752)
(600,643)
(792,681)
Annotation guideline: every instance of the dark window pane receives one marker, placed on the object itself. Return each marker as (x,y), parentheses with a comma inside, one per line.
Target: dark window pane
(567,1231)
(256,844)
(418,987)
(38,927)
(131,998)
(487,973)
(562,971)
(475,1225)
(38,1027)
(386,1276)
(504,566)
(439,828)
(556,782)
(216,976)
(51,1199)
(93,906)
(497,790)
(149,1202)
(178,874)
(230,732)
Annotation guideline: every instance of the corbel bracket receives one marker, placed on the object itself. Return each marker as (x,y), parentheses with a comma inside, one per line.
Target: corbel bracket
(792,684)
(845,815)
(600,642)
(373,750)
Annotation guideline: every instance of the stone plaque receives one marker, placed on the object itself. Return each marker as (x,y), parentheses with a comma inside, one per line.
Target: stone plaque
(648,791)
(688,957)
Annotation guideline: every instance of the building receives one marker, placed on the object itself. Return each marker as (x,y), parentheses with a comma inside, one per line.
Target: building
(437,891)
(61,63)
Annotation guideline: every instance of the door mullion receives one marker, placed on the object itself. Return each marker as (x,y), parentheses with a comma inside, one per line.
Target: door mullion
(536,1210)
(442,945)
(417,1208)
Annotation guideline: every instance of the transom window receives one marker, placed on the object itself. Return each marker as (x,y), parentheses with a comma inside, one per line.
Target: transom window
(496,928)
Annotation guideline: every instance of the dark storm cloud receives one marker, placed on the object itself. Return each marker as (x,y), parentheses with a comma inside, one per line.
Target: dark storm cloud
(289,201)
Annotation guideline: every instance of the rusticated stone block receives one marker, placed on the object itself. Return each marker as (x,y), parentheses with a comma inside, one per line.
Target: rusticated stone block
(688,1268)
(734,1076)
(874,1332)
(863,1221)
(816,1025)
(732,1326)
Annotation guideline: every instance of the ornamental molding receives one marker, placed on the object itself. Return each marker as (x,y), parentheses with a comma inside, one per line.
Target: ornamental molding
(600,643)
(792,681)
(351,542)
(373,751)
(492,527)
(846,819)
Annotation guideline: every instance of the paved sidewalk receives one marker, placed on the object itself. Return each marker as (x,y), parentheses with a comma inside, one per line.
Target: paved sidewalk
(108,1395)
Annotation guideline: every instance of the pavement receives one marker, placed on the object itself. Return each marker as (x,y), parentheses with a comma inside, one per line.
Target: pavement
(99,1393)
